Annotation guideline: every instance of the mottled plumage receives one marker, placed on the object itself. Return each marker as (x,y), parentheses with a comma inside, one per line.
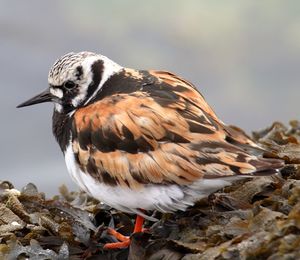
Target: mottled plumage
(144,139)
(160,131)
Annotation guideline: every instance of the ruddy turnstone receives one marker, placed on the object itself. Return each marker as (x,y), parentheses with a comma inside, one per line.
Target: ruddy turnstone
(143,139)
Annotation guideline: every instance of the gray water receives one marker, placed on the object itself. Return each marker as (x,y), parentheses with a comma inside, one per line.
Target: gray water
(244,56)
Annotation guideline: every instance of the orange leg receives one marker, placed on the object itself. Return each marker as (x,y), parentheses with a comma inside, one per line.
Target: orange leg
(125,241)
(139,221)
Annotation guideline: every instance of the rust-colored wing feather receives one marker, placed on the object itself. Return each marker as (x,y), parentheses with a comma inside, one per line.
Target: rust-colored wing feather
(162,133)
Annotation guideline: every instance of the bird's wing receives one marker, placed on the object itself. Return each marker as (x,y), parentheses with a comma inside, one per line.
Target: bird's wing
(162,133)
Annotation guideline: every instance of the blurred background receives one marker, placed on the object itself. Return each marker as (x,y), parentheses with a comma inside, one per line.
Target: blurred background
(244,56)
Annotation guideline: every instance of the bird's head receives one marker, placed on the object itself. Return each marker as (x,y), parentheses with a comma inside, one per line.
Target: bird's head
(74,80)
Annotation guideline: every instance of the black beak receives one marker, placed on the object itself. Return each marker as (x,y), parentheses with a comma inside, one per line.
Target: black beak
(45,96)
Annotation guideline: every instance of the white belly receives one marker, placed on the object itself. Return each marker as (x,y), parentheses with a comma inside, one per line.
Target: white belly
(165,198)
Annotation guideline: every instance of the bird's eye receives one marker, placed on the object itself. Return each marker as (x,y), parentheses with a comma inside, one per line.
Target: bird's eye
(69,84)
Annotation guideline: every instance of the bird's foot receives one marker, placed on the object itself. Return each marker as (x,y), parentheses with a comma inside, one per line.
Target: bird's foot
(124,240)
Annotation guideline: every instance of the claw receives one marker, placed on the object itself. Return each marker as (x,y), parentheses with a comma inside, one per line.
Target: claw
(117,235)
(117,245)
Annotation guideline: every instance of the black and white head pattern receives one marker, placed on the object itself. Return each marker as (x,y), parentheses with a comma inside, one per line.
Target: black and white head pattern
(75,78)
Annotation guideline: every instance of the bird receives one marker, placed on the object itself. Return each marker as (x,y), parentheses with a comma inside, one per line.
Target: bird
(143,140)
